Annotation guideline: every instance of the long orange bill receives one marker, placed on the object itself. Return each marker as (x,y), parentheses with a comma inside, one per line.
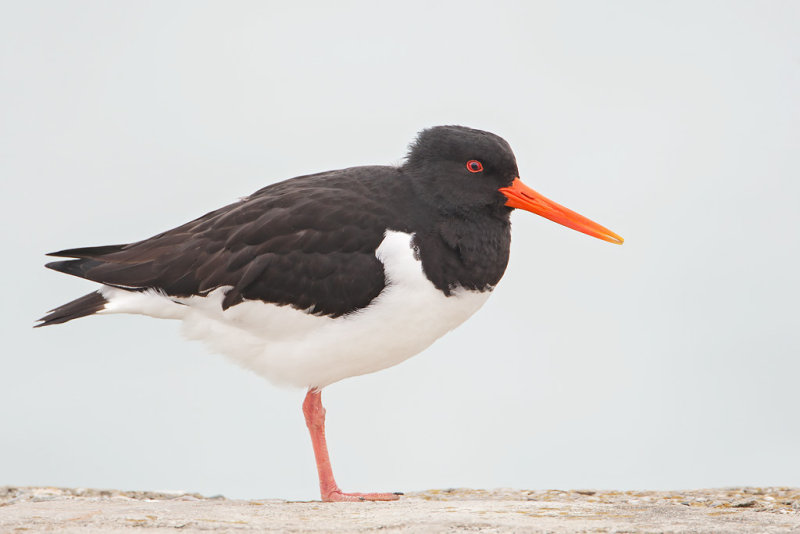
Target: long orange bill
(523,197)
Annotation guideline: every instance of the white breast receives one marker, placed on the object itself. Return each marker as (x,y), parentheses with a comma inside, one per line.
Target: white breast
(291,347)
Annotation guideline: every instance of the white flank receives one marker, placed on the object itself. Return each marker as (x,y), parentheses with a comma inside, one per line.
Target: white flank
(291,347)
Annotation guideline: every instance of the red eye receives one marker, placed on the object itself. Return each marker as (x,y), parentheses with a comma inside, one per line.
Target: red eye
(474,165)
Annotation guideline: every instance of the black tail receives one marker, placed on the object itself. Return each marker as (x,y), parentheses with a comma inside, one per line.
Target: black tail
(86,305)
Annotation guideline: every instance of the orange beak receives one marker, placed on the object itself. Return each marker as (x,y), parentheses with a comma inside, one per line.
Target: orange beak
(523,197)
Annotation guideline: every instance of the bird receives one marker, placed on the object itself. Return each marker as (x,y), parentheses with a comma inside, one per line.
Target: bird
(322,277)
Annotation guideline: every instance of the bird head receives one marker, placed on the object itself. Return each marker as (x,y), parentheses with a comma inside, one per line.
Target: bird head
(462,170)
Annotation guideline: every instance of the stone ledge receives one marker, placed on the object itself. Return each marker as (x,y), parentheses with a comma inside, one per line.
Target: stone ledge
(28,509)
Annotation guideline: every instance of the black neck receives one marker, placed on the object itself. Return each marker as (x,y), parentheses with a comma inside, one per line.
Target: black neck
(465,252)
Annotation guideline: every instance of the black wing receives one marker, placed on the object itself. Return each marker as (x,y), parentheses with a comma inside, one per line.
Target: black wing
(308,242)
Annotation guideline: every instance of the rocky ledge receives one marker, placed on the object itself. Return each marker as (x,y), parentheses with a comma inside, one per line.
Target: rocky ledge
(41,509)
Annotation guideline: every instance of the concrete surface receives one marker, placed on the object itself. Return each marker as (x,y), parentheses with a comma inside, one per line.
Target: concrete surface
(717,510)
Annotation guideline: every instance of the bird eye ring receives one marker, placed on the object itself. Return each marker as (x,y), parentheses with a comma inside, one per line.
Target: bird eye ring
(474,165)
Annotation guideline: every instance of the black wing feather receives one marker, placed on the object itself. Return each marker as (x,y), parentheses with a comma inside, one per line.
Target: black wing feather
(86,252)
(308,242)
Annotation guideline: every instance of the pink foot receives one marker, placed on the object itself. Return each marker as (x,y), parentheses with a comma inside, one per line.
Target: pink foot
(328,490)
(339,496)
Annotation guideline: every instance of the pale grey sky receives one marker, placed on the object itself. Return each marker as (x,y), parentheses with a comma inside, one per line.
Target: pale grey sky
(669,362)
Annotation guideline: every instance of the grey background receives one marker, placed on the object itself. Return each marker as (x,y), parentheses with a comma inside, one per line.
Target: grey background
(669,362)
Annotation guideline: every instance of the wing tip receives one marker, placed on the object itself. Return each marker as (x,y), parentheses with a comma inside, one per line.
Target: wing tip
(86,252)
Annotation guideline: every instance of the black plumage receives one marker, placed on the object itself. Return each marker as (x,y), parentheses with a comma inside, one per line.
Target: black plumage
(75,309)
(310,242)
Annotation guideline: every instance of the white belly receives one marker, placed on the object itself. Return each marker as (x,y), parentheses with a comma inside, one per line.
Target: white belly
(291,347)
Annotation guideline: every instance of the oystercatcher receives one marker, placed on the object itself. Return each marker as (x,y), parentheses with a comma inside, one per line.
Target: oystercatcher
(337,274)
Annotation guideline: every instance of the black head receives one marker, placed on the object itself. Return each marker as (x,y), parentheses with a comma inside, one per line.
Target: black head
(460,169)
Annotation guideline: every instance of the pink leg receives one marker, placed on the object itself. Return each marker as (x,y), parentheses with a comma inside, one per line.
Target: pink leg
(330,492)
